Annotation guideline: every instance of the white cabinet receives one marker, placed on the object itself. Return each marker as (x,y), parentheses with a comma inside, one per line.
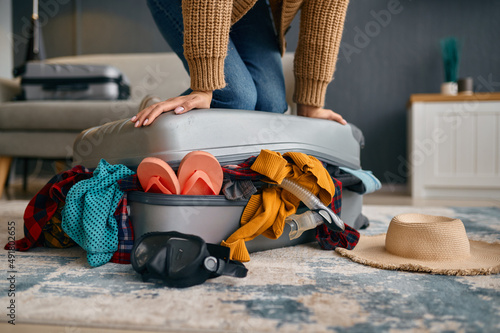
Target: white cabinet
(454,146)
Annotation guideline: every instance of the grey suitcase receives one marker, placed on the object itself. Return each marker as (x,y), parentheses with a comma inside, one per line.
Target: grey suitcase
(42,81)
(231,136)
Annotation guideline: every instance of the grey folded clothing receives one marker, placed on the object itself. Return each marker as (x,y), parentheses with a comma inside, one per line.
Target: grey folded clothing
(238,189)
(349,181)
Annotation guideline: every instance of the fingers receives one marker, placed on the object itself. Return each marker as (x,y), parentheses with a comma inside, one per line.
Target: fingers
(320,113)
(147,116)
(180,105)
(336,117)
(180,110)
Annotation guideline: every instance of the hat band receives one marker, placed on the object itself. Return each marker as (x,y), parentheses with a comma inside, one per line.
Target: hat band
(427,237)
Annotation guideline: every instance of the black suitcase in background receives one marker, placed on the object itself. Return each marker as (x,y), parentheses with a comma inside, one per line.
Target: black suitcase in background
(42,81)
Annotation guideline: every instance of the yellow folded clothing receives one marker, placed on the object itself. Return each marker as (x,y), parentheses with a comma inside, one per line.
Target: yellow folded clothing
(266,211)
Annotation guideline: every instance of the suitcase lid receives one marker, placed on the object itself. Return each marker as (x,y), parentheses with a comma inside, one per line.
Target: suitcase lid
(230,135)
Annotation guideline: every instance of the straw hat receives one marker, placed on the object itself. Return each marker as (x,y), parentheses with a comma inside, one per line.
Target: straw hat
(426,243)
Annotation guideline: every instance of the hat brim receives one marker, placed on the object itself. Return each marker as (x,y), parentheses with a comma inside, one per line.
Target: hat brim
(370,250)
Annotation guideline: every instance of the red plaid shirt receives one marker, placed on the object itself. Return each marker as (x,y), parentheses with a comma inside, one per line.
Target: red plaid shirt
(328,239)
(44,204)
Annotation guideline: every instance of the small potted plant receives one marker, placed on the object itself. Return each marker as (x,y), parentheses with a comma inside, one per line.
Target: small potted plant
(450,50)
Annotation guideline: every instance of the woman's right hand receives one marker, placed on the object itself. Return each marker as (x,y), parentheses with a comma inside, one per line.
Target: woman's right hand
(181,104)
(320,113)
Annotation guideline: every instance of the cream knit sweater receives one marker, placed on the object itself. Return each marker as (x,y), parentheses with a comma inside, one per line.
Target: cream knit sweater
(206,36)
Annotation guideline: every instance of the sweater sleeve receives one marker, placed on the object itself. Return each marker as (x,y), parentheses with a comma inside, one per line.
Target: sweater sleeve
(321,26)
(206,36)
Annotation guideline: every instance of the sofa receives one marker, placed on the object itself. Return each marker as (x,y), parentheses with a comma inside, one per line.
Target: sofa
(47,129)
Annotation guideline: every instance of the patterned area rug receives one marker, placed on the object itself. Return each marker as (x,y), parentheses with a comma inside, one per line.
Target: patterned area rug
(294,289)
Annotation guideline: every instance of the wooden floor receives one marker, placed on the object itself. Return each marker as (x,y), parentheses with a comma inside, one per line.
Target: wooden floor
(399,195)
(27,328)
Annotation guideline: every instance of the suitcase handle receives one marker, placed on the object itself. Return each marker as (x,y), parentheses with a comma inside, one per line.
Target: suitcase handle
(65,87)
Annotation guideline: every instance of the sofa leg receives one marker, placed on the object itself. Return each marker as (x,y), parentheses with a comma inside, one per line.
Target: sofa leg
(61,166)
(25,174)
(5,162)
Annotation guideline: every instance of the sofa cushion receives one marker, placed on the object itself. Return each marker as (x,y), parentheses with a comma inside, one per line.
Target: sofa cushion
(46,144)
(63,115)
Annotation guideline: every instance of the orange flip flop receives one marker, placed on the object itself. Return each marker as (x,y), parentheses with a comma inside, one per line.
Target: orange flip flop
(156,176)
(200,174)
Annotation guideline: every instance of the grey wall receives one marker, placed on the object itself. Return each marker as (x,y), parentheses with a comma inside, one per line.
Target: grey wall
(72,27)
(375,77)
(390,50)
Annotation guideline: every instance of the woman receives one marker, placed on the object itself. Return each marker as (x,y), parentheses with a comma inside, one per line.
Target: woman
(232,50)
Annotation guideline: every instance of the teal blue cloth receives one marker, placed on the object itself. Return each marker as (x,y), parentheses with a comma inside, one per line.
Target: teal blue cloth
(371,182)
(87,216)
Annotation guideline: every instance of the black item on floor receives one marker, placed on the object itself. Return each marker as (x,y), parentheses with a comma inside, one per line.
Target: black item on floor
(180,260)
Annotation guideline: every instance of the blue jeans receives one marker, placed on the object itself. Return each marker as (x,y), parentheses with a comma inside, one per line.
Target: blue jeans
(253,69)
